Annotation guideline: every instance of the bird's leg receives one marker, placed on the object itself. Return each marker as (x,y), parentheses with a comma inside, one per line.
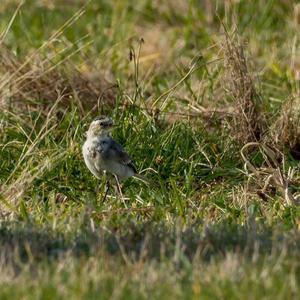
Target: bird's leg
(107,186)
(120,190)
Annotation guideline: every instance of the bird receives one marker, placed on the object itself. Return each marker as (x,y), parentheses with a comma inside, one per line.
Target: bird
(102,154)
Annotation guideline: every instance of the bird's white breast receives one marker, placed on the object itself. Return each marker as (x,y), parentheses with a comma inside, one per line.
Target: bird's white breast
(92,157)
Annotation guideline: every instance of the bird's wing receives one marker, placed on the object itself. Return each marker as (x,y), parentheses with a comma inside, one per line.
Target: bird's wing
(119,154)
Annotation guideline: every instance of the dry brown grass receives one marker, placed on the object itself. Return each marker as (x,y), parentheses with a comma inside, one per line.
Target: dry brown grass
(35,83)
(249,127)
(285,132)
(248,124)
(271,176)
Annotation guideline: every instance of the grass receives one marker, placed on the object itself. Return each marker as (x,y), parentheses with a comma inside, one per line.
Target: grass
(190,85)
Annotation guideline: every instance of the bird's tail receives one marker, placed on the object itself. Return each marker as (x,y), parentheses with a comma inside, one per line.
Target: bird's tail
(142,178)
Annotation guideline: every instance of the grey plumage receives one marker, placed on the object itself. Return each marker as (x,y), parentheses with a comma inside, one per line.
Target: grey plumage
(102,153)
(113,158)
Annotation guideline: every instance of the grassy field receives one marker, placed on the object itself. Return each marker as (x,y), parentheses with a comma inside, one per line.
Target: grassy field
(206,95)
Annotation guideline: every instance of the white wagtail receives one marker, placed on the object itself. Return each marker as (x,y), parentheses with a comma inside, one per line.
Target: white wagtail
(103,154)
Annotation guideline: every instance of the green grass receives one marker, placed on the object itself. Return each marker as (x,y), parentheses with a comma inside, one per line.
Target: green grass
(201,230)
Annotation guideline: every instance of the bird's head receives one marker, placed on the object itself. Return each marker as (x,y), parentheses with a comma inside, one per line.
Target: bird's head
(101,125)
